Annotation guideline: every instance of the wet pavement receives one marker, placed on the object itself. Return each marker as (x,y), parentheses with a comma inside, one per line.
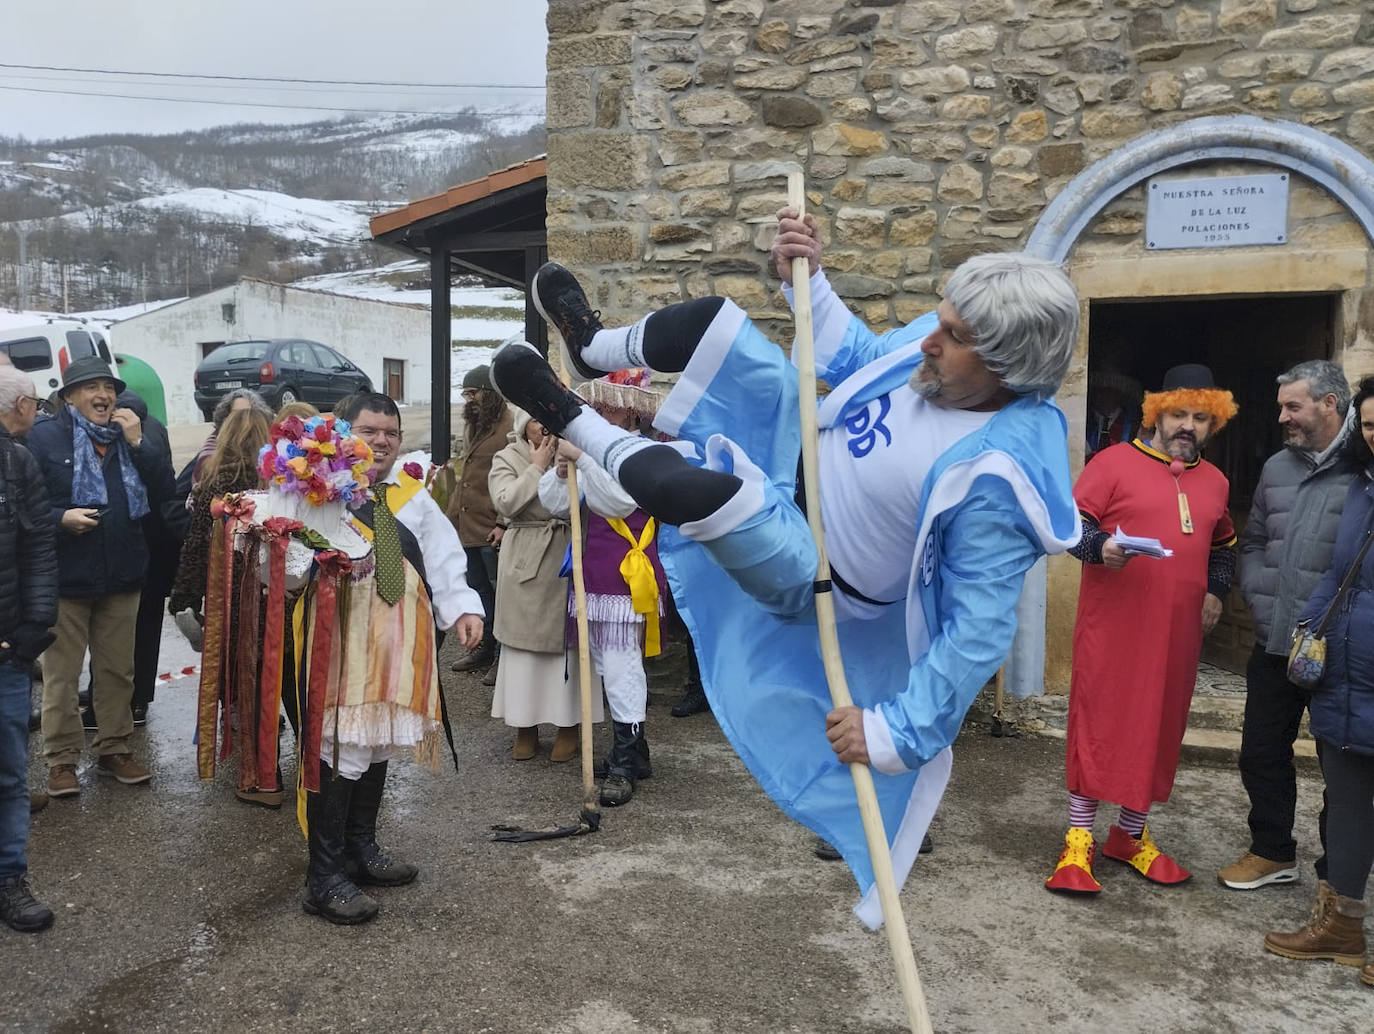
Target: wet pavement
(698,908)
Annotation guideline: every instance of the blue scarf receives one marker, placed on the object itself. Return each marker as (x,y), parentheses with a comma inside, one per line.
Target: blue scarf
(88,480)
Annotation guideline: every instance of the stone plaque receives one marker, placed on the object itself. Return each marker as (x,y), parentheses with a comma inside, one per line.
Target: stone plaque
(1217,212)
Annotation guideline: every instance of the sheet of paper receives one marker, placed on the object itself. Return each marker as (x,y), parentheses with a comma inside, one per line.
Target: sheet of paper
(1140,546)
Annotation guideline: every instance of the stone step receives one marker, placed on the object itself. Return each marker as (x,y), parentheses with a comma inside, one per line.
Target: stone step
(1215,717)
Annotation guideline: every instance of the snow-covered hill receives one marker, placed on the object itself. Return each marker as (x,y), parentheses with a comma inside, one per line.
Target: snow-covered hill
(109,221)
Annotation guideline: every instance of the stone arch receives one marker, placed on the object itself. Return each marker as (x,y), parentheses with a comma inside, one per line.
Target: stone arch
(1337,166)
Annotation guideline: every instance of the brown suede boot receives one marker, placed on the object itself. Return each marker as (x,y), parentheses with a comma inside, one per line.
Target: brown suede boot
(526,743)
(1335,931)
(566,743)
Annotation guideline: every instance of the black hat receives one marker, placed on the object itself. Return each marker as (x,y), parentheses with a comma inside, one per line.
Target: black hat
(89,368)
(1188,375)
(478,377)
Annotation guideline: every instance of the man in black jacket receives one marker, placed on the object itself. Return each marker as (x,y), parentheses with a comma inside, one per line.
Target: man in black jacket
(102,476)
(28,607)
(163,530)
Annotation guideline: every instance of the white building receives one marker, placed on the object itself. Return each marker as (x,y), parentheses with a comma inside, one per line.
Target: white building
(388,340)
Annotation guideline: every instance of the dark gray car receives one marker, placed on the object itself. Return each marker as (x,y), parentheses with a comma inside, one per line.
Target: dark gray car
(282,370)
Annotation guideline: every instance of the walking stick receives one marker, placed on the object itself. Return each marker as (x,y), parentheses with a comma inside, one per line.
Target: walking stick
(894,922)
(589,818)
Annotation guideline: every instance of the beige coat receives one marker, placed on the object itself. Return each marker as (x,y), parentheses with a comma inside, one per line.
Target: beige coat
(470,507)
(531,600)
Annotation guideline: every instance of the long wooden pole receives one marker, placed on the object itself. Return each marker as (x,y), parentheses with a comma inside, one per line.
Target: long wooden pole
(584,649)
(898,939)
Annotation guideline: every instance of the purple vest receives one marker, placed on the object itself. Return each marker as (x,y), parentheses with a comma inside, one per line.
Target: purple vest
(605,550)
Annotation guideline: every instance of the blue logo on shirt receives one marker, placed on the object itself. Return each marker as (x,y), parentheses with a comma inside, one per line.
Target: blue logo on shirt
(864,432)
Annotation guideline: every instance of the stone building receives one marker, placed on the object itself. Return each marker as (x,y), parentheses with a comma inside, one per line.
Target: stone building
(933,130)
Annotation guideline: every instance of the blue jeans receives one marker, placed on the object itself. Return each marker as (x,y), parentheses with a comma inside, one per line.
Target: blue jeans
(14,768)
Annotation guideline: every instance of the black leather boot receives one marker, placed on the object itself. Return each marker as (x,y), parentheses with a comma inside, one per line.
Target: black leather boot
(628,763)
(364,862)
(328,890)
(19,908)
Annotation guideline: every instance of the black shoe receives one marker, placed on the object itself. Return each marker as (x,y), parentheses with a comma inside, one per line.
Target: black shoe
(825,851)
(376,868)
(19,908)
(88,721)
(525,379)
(926,845)
(339,900)
(35,721)
(563,304)
(693,702)
(140,714)
(616,790)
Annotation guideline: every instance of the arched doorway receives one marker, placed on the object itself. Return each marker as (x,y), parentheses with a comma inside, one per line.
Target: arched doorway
(1248,312)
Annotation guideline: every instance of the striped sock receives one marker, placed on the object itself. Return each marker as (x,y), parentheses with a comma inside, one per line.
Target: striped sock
(615,348)
(606,444)
(1082,811)
(1132,821)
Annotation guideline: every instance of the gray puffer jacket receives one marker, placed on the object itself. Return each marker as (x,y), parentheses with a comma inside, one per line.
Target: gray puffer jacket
(1286,546)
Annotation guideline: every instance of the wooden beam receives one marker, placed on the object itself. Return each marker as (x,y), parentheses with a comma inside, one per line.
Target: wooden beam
(441,356)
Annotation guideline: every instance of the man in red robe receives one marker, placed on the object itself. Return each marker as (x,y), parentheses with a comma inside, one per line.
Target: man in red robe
(1141,620)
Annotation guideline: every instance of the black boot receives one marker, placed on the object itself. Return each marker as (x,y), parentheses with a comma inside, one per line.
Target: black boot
(364,862)
(628,763)
(19,908)
(693,701)
(563,304)
(524,378)
(328,890)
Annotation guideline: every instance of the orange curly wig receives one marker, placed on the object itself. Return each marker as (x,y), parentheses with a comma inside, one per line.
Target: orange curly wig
(1213,401)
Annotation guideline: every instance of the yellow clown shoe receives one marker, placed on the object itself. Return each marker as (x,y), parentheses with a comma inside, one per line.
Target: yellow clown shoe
(1144,857)
(1074,873)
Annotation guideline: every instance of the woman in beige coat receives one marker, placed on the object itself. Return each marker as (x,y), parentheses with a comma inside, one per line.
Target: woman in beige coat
(531,601)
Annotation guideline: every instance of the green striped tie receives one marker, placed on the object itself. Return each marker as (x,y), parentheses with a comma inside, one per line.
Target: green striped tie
(386,541)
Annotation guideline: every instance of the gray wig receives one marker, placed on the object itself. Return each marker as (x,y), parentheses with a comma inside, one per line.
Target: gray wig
(1023,312)
(1323,378)
(222,406)
(14,385)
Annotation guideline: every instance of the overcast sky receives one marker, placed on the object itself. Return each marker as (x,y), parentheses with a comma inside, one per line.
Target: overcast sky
(486,44)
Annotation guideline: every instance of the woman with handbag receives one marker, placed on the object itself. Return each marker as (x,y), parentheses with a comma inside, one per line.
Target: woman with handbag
(1341,611)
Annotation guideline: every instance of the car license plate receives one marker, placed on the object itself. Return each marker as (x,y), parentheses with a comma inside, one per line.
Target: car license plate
(222,385)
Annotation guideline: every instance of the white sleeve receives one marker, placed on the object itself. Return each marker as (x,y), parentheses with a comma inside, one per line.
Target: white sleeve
(603,493)
(830,319)
(446,565)
(553,493)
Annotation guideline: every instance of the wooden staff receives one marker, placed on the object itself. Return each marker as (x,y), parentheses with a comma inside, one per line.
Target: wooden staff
(590,804)
(894,922)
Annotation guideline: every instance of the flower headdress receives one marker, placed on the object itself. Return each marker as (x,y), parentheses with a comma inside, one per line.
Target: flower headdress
(318,459)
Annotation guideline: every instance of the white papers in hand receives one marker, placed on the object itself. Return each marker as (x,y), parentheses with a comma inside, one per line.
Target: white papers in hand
(1139,546)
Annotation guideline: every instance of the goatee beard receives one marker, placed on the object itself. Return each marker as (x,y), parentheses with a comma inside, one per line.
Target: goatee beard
(927,388)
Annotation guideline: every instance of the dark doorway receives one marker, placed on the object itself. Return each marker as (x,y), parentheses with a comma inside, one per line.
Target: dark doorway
(1247,341)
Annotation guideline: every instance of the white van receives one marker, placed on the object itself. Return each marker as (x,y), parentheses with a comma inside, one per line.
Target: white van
(44,350)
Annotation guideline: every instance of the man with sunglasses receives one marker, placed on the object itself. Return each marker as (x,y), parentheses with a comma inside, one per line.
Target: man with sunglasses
(28,608)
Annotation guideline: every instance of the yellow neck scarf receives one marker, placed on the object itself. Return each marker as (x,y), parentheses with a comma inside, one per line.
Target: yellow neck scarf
(638,571)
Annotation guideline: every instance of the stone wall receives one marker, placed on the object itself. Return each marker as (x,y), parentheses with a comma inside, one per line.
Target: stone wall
(929,130)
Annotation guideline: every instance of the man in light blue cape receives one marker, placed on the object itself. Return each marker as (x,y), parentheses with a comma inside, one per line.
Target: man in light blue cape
(944,475)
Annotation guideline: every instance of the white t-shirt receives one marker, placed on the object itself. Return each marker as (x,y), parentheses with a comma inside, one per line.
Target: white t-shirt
(872,469)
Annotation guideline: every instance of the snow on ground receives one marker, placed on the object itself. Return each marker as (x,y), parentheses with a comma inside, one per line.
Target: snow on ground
(292,218)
